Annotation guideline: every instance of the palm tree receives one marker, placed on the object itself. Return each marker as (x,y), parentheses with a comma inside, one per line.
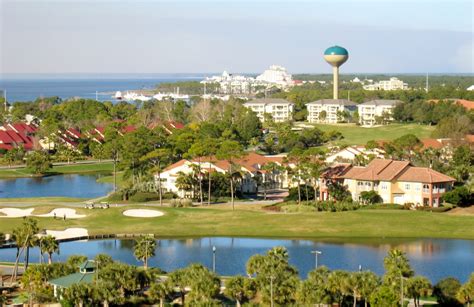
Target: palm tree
(270,169)
(144,249)
(240,289)
(338,285)
(230,151)
(160,291)
(49,245)
(370,282)
(24,237)
(416,287)
(155,159)
(105,292)
(179,279)
(79,294)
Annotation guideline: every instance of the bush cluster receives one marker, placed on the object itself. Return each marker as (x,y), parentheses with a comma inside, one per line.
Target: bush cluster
(181,203)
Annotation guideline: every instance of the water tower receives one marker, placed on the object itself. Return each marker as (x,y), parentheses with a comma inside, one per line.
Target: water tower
(336,56)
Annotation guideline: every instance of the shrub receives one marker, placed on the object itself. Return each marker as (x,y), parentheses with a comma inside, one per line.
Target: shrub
(445,290)
(293,193)
(141,197)
(460,196)
(181,203)
(370,197)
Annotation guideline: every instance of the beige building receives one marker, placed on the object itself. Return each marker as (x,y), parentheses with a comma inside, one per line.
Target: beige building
(250,168)
(387,85)
(280,110)
(395,181)
(376,111)
(329,110)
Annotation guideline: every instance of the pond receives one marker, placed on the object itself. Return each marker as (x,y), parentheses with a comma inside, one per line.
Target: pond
(69,185)
(433,258)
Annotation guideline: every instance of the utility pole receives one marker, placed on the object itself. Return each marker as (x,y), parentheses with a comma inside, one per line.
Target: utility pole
(316,253)
(271,290)
(401,289)
(214,258)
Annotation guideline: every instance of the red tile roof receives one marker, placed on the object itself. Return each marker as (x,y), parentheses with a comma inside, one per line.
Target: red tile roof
(469,105)
(431,143)
(423,174)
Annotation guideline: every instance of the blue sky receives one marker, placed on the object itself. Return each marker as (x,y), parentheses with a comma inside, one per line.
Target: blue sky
(111,36)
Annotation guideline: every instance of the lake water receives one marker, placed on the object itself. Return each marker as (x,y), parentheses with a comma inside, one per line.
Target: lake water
(433,258)
(31,87)
(70,185)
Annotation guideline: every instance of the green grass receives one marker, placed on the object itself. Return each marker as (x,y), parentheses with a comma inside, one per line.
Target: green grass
(57,170)
(252,221)
(356,135)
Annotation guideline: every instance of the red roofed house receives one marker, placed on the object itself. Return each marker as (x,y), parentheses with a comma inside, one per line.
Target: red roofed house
(250,167)
(17,135)
(396,182)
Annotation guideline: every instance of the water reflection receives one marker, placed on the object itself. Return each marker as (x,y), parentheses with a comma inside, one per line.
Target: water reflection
(69,185)
(433,258)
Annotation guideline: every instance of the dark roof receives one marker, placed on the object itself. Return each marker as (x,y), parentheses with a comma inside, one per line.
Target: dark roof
(381,102)
(344,102)
(88,264)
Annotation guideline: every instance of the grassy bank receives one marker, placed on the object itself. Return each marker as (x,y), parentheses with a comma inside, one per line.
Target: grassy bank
(58,170)
(252,221)
(356,135)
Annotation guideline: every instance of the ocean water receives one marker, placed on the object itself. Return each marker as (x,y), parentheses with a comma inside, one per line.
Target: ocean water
(27,88)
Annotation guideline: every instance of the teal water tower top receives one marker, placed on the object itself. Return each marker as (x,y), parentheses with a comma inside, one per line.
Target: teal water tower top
(336,50)
(336,55)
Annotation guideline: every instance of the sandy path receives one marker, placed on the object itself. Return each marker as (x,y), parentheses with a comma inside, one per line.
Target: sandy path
(142,213)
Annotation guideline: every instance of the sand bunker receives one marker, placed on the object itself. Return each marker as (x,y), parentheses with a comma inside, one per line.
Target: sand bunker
(68,233)
(15,212)
(61,212)
(142,213)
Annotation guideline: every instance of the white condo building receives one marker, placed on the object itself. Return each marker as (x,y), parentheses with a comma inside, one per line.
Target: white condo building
(332,108)
(280,110)
(387,85)
(376,111)
(276,75)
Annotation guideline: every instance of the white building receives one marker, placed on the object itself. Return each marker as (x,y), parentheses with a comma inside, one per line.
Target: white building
(276,75)
(280,110)
(471,88)
(387,85)
(349,154)
(376,111)
(231,84)
(332,108)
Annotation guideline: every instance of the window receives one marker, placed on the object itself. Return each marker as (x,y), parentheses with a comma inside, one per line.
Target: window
(360,183)
(407,186)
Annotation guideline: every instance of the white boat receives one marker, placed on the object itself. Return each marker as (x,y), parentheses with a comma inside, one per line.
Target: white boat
(118,95)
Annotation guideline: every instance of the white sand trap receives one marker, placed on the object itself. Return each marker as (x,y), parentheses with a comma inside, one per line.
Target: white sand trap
(142,213)
(60,212)
(15,212)
(68,233)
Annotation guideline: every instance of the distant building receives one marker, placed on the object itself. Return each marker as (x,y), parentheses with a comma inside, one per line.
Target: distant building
(395,181)
(86,275)
(280,110)
(276,75)
(329,110)
(350,154)
(471,88)
(376,111)
(387,85)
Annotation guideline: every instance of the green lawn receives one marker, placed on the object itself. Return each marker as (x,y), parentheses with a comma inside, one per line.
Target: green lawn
(252,221)
(63,169)
(356,135)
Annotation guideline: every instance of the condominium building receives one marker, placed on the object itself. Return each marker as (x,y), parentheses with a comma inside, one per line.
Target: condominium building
(280,110)
(376,111)
(329,110)
(387,85)
(395,181)
(276,75)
